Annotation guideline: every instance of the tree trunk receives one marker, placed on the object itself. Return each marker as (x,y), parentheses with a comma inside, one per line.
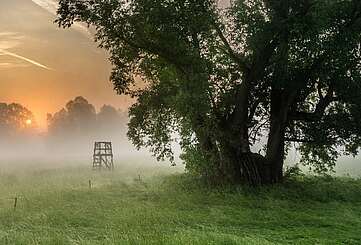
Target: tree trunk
(239,165)
(275,154)
(275,151)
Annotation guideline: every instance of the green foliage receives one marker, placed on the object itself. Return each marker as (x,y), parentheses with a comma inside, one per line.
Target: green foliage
(321,158)
(221,79)
(294,172)
(195,162)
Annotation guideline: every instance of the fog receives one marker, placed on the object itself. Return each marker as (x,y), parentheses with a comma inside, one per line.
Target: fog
(35,157)
(73,130)
(345,165)
(69,139)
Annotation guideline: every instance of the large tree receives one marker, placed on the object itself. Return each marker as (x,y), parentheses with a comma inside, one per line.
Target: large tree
(224,78)
(111,120)
(73,128)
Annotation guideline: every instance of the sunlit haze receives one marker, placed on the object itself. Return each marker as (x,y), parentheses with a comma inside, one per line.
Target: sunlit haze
(42,67)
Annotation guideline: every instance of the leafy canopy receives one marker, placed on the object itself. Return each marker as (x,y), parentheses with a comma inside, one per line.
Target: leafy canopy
(187,61)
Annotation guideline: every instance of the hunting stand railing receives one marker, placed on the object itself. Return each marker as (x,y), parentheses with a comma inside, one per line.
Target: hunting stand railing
(103,156)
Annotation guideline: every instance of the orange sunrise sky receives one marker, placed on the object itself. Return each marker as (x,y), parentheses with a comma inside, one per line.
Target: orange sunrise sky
(42,66)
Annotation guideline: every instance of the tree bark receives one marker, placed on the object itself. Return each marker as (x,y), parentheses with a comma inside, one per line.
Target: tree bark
(280,102)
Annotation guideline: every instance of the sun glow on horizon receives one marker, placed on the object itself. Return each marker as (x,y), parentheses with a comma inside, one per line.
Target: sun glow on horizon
(42,66)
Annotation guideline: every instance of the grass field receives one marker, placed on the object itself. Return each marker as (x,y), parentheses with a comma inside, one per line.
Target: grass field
(56,206)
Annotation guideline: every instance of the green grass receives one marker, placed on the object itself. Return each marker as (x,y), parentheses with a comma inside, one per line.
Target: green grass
(56,206)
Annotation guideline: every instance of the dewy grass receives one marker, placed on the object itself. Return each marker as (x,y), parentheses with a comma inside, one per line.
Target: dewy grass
(56,206)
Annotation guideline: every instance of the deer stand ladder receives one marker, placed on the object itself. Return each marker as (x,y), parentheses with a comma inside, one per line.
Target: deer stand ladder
(103,156)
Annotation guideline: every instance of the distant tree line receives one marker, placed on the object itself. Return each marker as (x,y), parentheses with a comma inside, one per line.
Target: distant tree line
(71,130)
(79,124)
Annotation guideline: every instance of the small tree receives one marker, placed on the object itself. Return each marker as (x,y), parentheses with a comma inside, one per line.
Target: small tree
(224,78)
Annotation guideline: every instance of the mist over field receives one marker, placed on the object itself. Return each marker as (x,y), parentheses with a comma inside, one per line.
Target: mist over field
(69,139)
(72,131)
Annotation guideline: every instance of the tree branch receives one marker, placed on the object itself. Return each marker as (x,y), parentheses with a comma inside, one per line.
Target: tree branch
(238,58)
(319,111)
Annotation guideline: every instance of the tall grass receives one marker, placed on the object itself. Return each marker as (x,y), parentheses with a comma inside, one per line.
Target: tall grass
(56,206)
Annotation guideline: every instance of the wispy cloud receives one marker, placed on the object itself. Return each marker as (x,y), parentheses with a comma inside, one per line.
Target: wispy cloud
(51,6)
(8,33)
(24,59)
(6,65)
(11,40)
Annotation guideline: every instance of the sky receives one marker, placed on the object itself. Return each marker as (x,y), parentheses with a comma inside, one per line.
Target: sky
(42,66)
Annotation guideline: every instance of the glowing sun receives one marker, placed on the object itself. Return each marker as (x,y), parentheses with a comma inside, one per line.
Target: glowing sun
(28,122)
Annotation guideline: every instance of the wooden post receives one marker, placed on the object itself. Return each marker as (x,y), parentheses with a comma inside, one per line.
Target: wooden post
(15,203)
(90,184)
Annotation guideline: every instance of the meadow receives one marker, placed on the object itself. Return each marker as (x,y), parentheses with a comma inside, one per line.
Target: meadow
(157,204)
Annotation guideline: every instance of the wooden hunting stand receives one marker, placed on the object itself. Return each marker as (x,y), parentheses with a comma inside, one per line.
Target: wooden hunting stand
(103,156)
